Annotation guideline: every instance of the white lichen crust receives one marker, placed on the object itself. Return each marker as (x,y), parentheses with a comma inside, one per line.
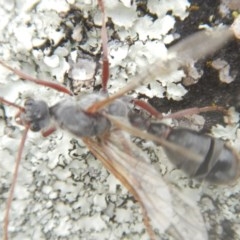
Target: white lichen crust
(62,191)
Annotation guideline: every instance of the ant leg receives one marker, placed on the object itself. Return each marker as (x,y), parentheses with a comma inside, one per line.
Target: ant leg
(147,107)
(196,110)
(3,100)
(49,131)
(27,77)
(179,114)
(154,69)
(105,67)
(10,197)
(20,110)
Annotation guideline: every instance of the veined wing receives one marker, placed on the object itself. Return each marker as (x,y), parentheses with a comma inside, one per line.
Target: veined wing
(194,47)
(165,208)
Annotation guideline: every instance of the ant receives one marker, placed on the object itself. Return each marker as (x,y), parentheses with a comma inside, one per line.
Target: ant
(104,123)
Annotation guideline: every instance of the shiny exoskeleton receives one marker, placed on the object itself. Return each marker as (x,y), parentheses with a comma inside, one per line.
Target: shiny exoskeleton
(218,163)
(71,115)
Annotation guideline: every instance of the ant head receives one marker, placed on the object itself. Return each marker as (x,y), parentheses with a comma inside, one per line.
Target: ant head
(36,114)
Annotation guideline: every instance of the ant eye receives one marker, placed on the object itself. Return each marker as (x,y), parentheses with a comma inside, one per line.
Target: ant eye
(29,102)
(35,127)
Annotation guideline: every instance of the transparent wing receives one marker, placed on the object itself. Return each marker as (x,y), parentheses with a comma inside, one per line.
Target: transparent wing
(201,44)
(164,207)
(194,47)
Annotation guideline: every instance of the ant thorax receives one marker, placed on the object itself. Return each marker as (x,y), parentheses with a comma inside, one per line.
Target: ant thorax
(72,115)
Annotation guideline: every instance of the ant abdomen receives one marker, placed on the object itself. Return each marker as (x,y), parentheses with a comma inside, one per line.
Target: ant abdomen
(214,162)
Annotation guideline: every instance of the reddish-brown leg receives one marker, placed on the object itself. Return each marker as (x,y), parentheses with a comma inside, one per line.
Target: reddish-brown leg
(105,66)
(49,131)
(179,114)
(3,100)
(15,175)
(147,107)
(27,77)
(18,159)
(196,110)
